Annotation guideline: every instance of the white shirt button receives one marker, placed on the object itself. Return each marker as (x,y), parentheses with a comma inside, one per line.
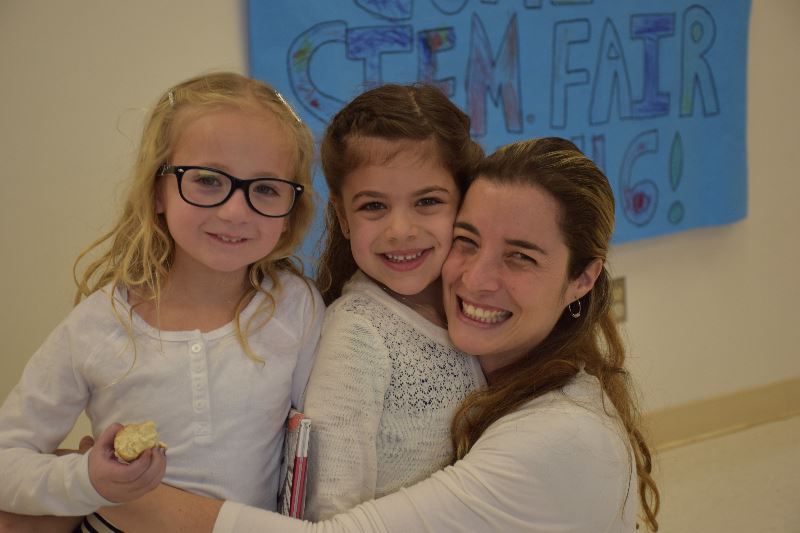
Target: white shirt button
(197,347)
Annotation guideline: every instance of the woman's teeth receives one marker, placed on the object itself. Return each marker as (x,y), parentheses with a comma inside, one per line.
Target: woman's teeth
(487,316)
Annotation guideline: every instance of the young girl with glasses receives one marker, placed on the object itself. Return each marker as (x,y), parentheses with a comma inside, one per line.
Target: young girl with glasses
(191,312)
(387,380)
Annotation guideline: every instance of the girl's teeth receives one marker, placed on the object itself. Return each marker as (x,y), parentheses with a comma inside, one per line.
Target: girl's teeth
(402,258)
(223,238)
(484,315)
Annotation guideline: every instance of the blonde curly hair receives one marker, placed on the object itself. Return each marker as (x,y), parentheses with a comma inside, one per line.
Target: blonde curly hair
(138,251)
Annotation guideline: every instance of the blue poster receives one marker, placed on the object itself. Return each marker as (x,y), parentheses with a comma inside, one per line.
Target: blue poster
(652,90)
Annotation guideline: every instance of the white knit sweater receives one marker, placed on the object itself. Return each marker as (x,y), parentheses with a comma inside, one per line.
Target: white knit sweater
(384,387)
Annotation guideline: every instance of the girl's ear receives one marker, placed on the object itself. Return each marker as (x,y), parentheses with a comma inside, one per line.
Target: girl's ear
(584,283)
(341,217)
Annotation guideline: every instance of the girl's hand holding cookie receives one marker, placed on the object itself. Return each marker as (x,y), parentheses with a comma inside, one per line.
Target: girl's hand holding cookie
(121,482)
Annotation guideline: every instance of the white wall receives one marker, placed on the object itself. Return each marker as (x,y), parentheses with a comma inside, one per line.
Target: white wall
(710,311)
(713,311)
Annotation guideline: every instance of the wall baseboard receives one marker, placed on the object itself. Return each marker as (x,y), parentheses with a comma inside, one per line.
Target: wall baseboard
(713,417)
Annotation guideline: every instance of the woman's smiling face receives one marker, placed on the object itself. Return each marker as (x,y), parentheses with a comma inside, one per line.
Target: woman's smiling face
(505,280)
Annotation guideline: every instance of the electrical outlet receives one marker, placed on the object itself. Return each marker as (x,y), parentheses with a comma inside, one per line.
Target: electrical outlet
(619,307)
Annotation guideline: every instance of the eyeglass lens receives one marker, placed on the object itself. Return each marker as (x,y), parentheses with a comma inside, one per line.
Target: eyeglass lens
(268,196)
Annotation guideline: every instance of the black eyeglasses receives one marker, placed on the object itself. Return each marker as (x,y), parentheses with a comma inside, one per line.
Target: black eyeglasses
(210,187)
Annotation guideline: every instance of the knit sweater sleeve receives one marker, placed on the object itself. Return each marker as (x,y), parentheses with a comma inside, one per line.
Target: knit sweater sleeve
(344,400)
(311,314)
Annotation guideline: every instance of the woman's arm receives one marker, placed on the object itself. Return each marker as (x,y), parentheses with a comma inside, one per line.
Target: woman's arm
(556,469)
(165,509)
(554,466)
(466,497)
(174,510)
(312,315)
(118,481)
(18,523)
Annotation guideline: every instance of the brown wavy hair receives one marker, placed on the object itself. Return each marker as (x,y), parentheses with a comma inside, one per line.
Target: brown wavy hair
(591,342)
(138,251)
(391,112)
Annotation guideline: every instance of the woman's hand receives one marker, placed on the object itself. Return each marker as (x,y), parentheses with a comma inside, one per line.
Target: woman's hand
(84,446)
(18,523)
(120,482)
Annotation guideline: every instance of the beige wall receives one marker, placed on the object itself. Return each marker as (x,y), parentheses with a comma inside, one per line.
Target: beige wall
(714,311)
(710,311)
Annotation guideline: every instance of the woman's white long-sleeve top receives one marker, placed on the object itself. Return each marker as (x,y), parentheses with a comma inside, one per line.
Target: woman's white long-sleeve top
(561,464)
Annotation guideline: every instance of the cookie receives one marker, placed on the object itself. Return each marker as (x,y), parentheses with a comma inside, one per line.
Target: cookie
(133,439)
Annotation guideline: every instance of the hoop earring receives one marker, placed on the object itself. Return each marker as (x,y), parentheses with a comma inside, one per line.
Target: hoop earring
(575,314)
